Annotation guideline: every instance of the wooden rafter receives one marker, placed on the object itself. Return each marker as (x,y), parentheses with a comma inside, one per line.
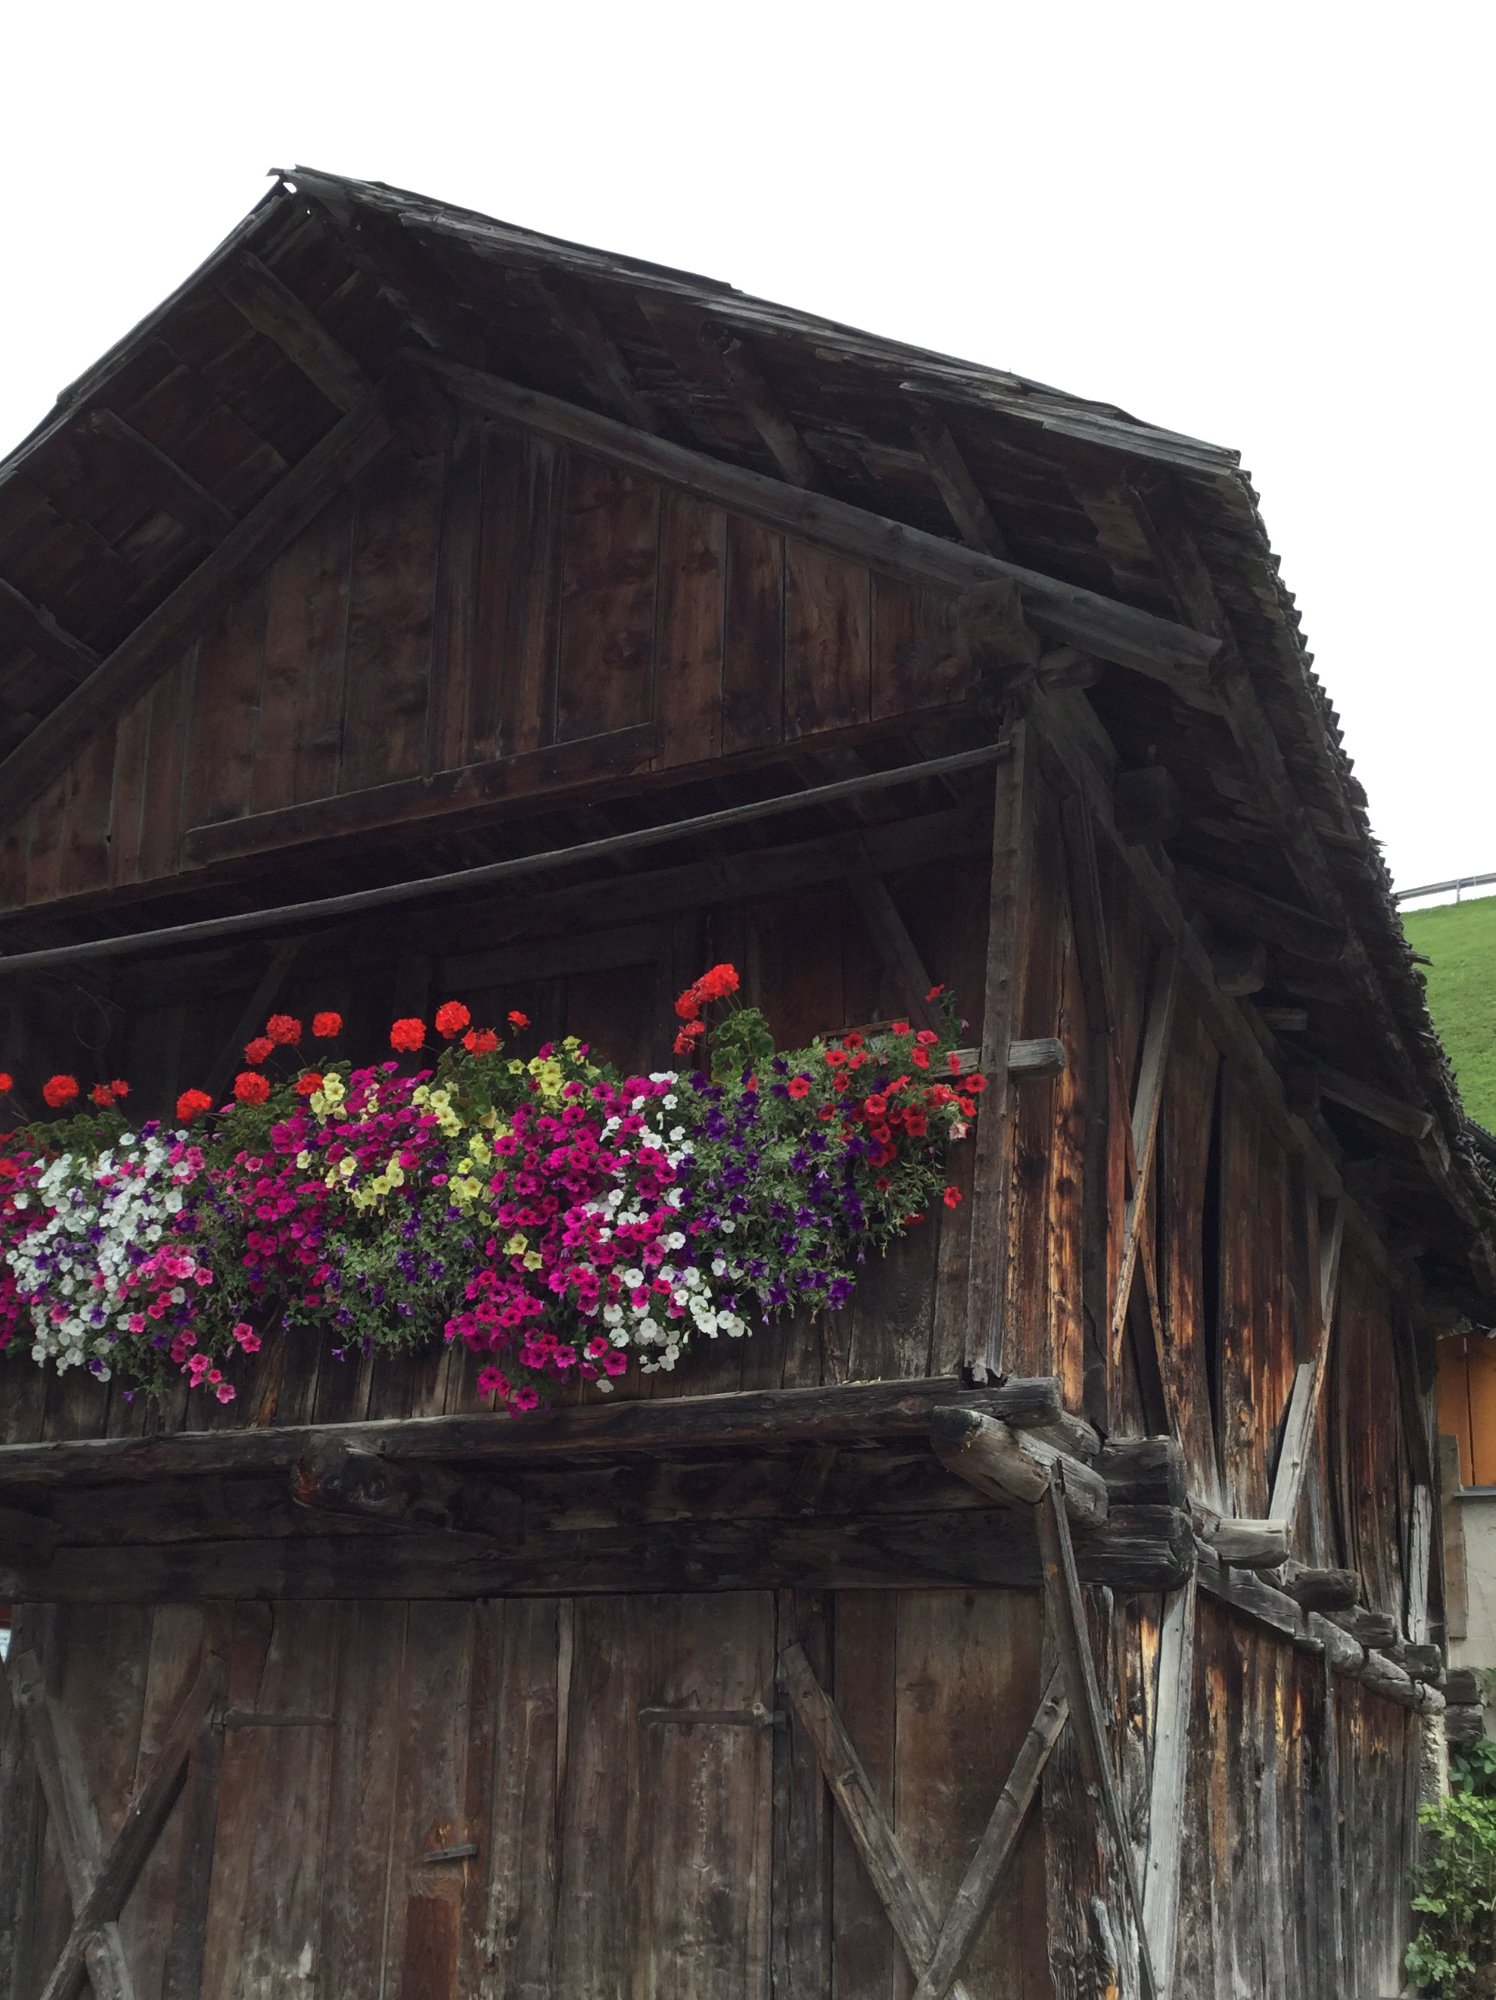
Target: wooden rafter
(34,626)
(273,309)
(575,320)
(762,407)
(148,468)
(134,664)
(964,500)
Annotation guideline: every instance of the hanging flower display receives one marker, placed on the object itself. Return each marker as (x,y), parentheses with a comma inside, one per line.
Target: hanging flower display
(556,1217)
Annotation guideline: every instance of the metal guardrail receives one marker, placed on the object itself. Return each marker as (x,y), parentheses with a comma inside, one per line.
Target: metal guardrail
(1456,882)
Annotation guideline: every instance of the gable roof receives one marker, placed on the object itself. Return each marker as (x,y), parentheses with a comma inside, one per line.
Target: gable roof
(206,436)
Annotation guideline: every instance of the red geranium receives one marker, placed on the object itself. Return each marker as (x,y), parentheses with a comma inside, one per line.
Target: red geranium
(7,1083)
(480,1041)
(102,1095)
(59,1090)
(718,982)
(120,1087)
(407,1035)
(688,1005)
(933,994)
(952,1197)
(451,1018)
(250,1087)
(305,1085)
(284,1030)
(261,1049)
(689,1036)
(326,1026)
(192,1104)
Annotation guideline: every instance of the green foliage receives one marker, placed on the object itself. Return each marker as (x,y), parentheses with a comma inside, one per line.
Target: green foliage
(1460,938)
(1472,1770)
(1455,1895)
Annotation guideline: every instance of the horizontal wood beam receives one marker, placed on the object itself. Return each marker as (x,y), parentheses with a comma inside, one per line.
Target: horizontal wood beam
(1284,926)
(145,467)
(337,1478)
(425,888)
(1321,1589)
(1246,1544)
(135,663)
(1042,1056)
(32,625)
(1007,1464)
(850,1413)
(1081,618)
(273,309)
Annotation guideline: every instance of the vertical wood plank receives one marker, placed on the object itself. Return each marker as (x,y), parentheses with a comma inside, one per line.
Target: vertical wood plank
(161,811)
(801,1895)
(458,604)
(605,670)
(300,736)
(828,635)
(219,772)
(693,583)
(518,1939)
(753,641)
(354,1884)
(391,609)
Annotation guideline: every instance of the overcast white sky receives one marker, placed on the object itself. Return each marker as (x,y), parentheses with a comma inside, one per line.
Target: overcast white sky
(1267,225)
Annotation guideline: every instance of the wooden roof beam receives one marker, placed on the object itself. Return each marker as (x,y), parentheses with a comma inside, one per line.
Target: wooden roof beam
(963,498)
(762,408)
(273,309)
(1096,625)
(137,660)
(34,626)
(146,467)
(595,347)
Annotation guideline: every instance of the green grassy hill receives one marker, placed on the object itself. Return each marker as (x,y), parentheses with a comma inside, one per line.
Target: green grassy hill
(1460,938)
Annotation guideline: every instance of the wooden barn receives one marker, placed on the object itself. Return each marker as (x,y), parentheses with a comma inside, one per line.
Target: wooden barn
(417,606)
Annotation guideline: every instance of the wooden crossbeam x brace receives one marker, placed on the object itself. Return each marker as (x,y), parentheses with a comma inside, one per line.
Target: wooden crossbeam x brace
(1072,1642)
(99,1882)
(1147,1104)
(937,1954)
(1309,1378)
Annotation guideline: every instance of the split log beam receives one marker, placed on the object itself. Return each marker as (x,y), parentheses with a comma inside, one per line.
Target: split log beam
(1044,1056)
(1463,1725)
(1066,1607)
(1462,1687)
(1368,1628)
(1244,1544)
(1085,619)
(850,1413)
(136,662)
(1009,1465)
(1381,1107)
(273,309)
(1418,1662)
(762,408)
(1166,1799)
(1239,969)
(1321,1589)
(144,466)
(35,627)
(1147,805)
(1144,1472)
(996,1847)
(1239,908)
(964,500)
(338,1479)
(574,319)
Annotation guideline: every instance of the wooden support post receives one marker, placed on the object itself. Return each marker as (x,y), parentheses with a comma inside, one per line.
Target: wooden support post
(1015,1465)
(1420,1551)
(762,408)
(1004,983)
(1088,913)
(964,500)
(1067,1615)
(273,309)
(1166,1799)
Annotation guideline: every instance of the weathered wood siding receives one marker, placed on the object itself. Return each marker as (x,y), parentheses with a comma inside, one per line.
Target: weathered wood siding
(515,600)
(619,1848)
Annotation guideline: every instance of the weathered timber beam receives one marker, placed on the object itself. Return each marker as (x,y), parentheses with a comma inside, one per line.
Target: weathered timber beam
(1420,1662)
(1464,1725)
(1081,618)
(574,319)
(33,626)
(1166,1794)
(424,888)
(1395,1114)
(1321,1589)
(273,309)
(1009,1465)
(146,467)
(337,1478)
(1419,1562)
(1288,927)
(964,500)
(1144,1472)
(1239,968)
(1368,1628)
(762,408)
(26,1537)
(1246,1544)
(1062,668)
(1043,1056)
(850,1413)
(1147,804)
(274,521)
(1462,1687)
(1137,1549)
